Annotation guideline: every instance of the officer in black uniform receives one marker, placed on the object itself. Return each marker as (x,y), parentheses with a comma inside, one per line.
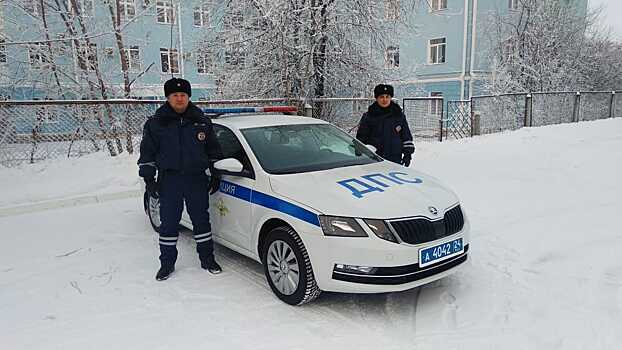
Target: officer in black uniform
(179,145)
(384,126)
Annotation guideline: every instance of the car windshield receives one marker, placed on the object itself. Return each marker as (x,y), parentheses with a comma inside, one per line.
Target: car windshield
(289,149)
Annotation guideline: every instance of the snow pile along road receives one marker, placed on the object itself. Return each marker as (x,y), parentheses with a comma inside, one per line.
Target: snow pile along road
(544,269)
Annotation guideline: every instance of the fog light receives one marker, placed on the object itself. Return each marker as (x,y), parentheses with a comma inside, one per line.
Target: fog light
(354,268)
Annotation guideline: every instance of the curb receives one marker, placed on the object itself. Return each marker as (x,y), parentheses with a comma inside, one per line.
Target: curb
(67,203)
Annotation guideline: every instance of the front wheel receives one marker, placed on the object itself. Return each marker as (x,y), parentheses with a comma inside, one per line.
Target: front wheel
(287,267)
(152,208)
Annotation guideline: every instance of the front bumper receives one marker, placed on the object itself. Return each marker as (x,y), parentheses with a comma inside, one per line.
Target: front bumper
(401,274)
(395,266)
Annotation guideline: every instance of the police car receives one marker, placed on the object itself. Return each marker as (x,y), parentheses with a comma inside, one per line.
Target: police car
(322,212)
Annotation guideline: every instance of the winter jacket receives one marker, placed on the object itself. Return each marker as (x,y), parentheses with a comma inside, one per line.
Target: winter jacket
(183,143)
(388,131)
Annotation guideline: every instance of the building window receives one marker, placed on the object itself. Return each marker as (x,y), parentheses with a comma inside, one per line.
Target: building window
(392,57)
(436,105)
(438,5)
(2,51)
(87,57)
(38,55)
(437,51)
(170,60)
(234,19)
(201,15)
(133,58)
(392,10)
(235,55)
(204,62)
(85,8)
(513,4)
(127,9)
(165,12)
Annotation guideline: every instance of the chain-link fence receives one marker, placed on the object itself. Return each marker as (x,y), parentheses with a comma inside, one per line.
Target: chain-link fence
(34,130)
(498,113)
(424,116)
(31,131)
(552,108)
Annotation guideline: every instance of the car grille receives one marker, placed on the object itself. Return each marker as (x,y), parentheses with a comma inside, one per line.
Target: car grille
(421,230)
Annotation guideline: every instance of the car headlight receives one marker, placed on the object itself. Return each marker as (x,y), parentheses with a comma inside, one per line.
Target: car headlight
(380,229)
(340,226)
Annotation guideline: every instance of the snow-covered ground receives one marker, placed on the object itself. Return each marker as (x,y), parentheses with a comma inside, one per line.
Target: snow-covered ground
(544,270)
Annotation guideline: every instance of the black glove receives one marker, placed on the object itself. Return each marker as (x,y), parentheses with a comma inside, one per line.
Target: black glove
(214,182)
(152,187)
(406,160)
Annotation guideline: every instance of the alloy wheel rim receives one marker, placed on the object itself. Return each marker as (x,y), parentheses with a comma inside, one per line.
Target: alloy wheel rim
(283,267)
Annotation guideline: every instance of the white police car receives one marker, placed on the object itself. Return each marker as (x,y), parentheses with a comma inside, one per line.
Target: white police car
(322,212)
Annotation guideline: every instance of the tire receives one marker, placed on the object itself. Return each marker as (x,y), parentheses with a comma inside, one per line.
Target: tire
(152,209)
(285,259)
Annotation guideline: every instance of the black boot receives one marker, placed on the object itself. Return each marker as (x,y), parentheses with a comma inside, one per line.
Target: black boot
(211,266)
(164,273)
(206,255)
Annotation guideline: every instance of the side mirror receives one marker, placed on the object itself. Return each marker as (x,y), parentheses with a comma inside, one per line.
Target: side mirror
(371,148)
(230,165)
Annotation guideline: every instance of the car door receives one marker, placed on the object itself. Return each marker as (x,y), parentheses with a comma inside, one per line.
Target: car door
(230,207)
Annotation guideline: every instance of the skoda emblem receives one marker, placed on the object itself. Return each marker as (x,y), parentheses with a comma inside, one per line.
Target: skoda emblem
(433,210)
(201,136)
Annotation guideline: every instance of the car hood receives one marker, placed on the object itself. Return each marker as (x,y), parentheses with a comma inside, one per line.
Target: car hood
(381,190)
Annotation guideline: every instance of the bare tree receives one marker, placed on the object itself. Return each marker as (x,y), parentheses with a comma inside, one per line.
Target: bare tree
(551,45)
(304,48)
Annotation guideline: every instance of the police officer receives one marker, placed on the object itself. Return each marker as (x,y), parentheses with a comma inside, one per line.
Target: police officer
(384,126)
(179,145)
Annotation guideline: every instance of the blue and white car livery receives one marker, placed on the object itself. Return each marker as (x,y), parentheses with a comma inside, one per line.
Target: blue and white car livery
(322,212)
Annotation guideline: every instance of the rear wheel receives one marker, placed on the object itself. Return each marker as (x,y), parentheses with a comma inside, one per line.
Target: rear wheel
(152,208)
(287,267)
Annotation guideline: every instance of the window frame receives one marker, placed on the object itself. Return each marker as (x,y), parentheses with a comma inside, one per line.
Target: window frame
(438,5)
(436,106)
(204,12)
(128,53)
(38,59)
(204,62)
(169,53)
(434,51)
(513,5)
(165,10)
(90,57)
(392,57)
(124,6)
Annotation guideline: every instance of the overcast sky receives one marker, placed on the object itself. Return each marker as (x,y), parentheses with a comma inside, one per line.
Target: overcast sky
(612,14)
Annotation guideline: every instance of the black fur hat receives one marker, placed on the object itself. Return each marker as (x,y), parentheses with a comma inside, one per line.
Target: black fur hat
(177,85)
(383,89)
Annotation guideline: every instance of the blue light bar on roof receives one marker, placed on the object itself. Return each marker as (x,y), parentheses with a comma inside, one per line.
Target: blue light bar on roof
(250,110)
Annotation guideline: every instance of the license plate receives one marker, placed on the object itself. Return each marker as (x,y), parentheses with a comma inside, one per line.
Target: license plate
(440,252)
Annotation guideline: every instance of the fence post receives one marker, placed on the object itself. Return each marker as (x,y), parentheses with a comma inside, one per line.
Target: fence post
(528,110)
(577,107)
(612,105)
(441,119)
(475,124)
(308,109)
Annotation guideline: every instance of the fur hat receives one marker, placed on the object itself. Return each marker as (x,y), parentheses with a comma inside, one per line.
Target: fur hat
(383,89)
(177,85)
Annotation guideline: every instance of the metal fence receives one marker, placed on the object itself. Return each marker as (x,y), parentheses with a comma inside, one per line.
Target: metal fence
(31,131)
(492,114)
(424,116)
